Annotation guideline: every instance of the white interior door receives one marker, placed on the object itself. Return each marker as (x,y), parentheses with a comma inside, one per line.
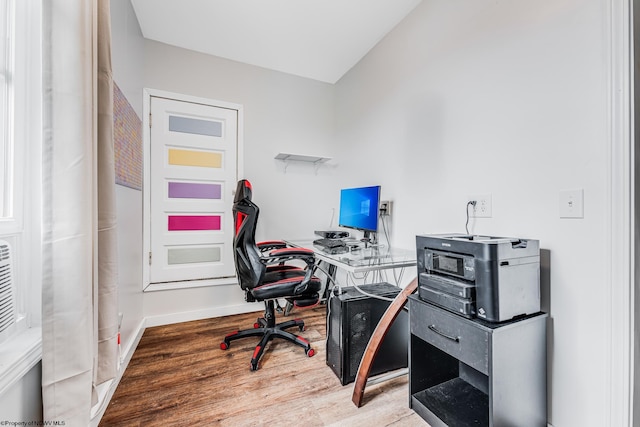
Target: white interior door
(193,173)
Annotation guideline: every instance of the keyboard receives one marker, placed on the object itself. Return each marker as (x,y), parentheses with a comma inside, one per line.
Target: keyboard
(330,243)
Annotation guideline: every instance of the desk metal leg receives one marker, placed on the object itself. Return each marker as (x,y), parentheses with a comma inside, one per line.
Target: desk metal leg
(331,276)
(376,339)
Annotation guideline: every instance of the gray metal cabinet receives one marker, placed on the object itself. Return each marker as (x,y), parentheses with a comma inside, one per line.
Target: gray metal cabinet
(467,372)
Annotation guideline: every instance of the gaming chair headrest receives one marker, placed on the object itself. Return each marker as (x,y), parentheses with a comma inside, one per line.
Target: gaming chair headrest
(243,191)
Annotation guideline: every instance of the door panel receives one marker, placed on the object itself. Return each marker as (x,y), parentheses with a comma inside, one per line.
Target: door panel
(193,173)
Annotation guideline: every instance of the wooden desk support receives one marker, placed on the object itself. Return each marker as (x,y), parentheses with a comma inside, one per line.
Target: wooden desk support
(376,339)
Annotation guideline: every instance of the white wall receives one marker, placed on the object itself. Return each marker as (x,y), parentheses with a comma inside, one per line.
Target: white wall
(127,56)
(127,52)
(22,402)
(507,98)
(282,113)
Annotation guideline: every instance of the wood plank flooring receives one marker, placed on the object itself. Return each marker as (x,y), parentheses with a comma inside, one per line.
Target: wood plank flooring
(179,376)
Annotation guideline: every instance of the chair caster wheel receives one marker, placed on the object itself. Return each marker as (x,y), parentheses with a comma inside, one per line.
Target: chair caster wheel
(310,352)
(224,346)
(253,367)
(302,328)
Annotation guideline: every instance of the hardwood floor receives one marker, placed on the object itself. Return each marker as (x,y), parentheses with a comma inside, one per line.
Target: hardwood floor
(179,376)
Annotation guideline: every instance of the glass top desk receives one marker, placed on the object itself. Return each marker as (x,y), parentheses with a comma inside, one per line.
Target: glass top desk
(367,259)
(363,259)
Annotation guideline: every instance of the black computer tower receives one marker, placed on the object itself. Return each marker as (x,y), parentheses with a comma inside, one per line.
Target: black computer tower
(351,320)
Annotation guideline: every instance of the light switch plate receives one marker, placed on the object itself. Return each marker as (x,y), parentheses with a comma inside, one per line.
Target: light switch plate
(572,204)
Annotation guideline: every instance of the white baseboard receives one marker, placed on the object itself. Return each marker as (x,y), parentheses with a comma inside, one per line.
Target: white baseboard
(188,316)
(152,287)
(106,391)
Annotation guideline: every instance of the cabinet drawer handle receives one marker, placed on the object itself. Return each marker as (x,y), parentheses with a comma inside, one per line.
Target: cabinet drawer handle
(449,337)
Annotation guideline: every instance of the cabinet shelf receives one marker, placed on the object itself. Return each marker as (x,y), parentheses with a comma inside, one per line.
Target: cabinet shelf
(456,403)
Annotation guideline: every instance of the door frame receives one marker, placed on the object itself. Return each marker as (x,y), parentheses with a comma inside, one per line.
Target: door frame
(147,94)
(620,311)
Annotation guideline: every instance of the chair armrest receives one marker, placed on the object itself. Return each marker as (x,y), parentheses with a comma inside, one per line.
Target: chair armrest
(280,256)
(287,254)
(271,244)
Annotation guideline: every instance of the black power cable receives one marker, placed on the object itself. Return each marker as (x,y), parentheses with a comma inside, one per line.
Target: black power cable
(466,225)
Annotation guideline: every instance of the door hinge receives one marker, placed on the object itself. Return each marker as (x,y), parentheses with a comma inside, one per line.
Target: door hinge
(149,120)
(149,258)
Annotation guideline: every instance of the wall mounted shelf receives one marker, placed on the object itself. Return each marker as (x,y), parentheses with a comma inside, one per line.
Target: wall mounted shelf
(288,157)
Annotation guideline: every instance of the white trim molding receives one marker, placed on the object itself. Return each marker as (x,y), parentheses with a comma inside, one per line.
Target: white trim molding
(188,316)
(620,263)
(191,284)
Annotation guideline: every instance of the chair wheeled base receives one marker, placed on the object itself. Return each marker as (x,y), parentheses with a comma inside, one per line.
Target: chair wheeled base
(267,328)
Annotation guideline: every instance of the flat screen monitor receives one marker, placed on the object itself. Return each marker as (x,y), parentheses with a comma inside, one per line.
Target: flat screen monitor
(359,208)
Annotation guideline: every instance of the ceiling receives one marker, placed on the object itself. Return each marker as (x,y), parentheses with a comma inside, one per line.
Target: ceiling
(316,39)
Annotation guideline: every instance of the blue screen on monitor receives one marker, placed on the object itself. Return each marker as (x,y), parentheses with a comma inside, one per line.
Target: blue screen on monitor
(359,208)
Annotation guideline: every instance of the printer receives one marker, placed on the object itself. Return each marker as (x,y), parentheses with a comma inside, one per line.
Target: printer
(492,278)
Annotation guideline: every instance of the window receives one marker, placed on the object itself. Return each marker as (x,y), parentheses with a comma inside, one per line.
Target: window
(20,135)
(6,106)
(20,183)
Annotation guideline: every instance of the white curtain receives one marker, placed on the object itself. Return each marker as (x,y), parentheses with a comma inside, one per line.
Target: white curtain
(79,272)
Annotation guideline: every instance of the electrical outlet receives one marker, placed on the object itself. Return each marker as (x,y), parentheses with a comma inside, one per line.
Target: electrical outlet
(385,208)
(482,208)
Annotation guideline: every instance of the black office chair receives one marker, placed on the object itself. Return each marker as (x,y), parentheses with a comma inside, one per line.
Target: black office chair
(264,275)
